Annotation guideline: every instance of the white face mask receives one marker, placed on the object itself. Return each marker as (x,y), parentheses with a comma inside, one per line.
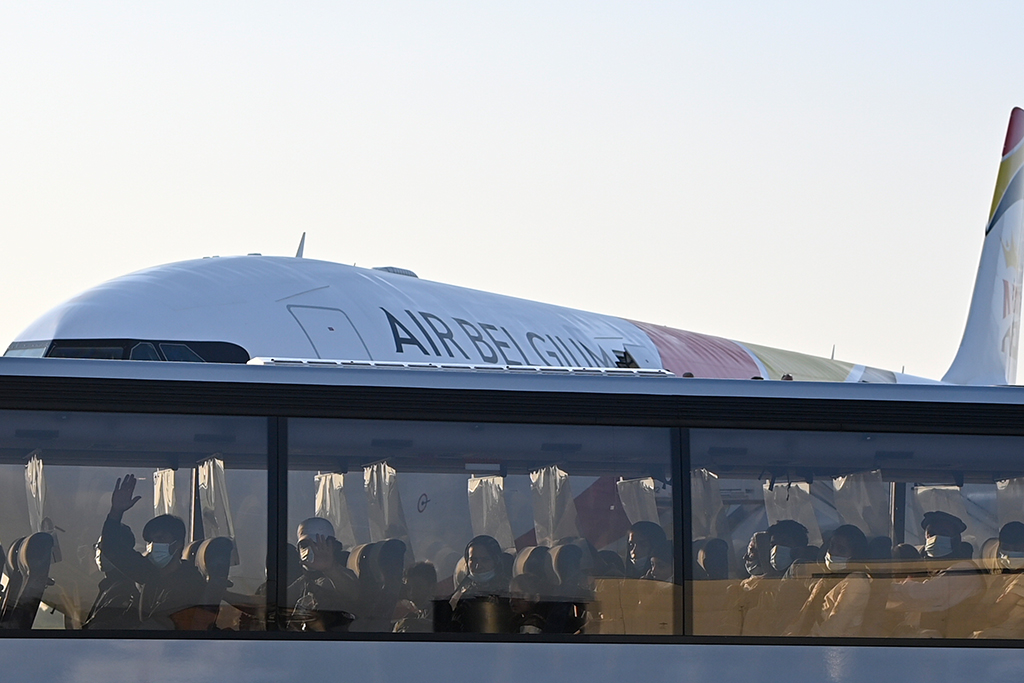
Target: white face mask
(159,554)
(99,559)
(1011,559)
(482,577)
(782,557)
(938,546)
(835,563)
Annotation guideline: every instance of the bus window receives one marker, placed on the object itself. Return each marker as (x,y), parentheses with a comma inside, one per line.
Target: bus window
(856,535)
(480,528)
(117,522)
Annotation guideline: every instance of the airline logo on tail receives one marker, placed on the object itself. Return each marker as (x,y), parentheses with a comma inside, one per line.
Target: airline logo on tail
(988,352)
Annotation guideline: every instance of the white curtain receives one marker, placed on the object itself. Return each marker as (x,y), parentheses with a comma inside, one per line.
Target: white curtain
(637,498)
(554,509)
(213,500)
(487,510)
(332,505)
(35,488)
(163,492)
(792,501)
(384,504)
(862,499)
(709,517)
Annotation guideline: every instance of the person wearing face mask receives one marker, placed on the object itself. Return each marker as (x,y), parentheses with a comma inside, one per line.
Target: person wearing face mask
(769,600)
(480,603)
(946,596)
(837,601)
(1002,608)
(171,592)
(116,604)
(326,593)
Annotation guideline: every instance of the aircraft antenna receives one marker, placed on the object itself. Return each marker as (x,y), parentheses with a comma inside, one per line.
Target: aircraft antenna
(302,245)
(833,356)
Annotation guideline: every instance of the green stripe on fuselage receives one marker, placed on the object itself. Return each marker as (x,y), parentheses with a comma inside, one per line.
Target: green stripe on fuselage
(802,366)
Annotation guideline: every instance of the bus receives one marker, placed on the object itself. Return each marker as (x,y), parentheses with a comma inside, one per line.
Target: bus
(167,521)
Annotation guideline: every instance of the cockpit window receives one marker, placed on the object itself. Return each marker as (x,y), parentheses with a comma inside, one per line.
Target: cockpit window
(144,351)
(180,353)
(97,352)
(134,349)
(32,349)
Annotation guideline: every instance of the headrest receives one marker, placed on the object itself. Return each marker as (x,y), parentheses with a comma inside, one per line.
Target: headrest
(535,560)
(35,553)
(213,558)
(189,553)
(12,555)
(358,558)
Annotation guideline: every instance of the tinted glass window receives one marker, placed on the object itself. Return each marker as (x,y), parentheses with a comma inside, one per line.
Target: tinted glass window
(480,528)
(857,535)
(183,542)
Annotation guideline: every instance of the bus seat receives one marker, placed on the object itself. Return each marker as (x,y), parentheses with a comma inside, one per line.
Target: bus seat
(33,558)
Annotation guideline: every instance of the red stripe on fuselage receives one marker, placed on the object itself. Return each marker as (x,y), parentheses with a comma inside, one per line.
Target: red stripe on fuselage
(703,355)
(1015,131)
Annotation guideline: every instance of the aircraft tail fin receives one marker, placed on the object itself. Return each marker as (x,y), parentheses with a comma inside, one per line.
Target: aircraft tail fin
(988,350)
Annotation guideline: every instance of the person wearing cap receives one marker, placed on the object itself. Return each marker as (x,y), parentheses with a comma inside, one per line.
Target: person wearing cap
(326,592)
(945,597)
(170,591)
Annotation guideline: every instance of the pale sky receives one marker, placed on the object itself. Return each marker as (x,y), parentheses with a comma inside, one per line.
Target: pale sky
(791,174)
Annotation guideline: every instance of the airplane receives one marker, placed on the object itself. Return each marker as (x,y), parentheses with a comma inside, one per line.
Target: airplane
(235,309)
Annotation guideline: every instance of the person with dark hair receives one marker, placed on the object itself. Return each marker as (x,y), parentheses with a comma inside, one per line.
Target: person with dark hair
(117,604)
(326,591)
(768,603)
(838,600)
(1002,609)
(942,600)
(170,591)
(640,542)
(480,603)
(662,563)
(787,542)
(713,558)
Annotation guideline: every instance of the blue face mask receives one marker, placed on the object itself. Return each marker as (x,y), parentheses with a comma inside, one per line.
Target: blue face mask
(782,557)
(938,546)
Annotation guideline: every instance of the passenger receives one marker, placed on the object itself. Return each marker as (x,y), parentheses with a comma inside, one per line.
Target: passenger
(1003,608)
(787,540)
(528,613)
(756,560)
(326,591)
(642,538)
(713,558)
(480,604)
(170,591)
(662,563)
(939,604)
(610,565)
(117,603)
(837,601)
(381,585)
(768,606)
(415,611)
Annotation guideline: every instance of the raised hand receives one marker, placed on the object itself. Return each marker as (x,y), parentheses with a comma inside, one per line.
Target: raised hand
(123,498)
